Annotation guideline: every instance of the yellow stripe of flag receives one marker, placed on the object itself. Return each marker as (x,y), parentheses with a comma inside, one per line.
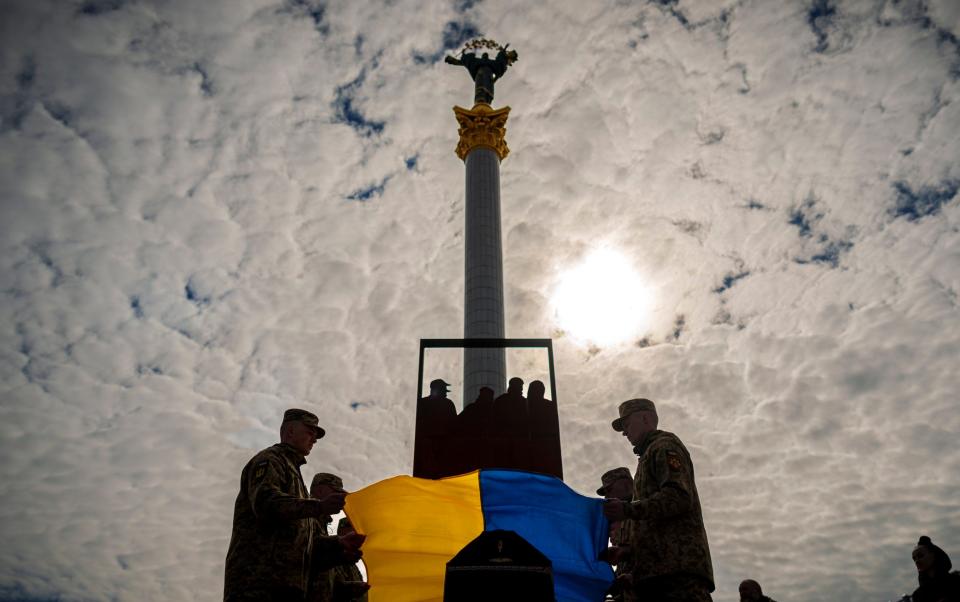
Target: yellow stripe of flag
(413,527)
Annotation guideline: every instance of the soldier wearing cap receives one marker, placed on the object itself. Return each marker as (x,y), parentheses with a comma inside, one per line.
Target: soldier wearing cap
(617,484)
(669,556)
(436,417)
(323,577)
(276,534)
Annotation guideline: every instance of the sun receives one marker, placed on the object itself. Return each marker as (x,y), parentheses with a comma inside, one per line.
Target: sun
(603,300)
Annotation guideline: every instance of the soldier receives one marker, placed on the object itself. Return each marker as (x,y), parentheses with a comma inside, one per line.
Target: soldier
(669,555)
(323,577)
(275,530)
(322,485)
(617,484)
(348,583)
(750,592)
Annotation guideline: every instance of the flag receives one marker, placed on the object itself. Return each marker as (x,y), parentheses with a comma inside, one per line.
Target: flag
(414,526)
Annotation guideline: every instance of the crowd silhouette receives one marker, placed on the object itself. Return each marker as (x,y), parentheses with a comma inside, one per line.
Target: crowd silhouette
(511,431)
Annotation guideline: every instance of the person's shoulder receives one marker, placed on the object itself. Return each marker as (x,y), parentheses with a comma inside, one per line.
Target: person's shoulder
(665,440)
(270,454)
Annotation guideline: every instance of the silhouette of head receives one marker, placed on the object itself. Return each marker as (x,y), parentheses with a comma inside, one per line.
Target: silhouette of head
(930,558)
(439,388)
(637,418)
(300,430)
(325,483)
(486,394)
(486,56)
(515,386)
(616,483)
(750,591)
(536,390)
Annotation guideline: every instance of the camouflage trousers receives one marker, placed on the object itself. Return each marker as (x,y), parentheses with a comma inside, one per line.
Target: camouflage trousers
(671,588)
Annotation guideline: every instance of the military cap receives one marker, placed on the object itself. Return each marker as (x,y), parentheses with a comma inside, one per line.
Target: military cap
(438,383)
(305,417)
(612,476)
(326,478)
(629,407)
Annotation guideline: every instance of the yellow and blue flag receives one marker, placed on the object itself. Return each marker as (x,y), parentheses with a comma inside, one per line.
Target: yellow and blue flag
(415,526)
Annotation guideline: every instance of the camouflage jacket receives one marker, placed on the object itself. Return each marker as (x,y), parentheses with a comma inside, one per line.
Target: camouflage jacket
(620,536)
(667,533)
(341,574)
(274,533)
(325,579)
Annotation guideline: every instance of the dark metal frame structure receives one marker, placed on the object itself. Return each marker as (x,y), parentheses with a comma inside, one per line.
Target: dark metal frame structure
(488,344)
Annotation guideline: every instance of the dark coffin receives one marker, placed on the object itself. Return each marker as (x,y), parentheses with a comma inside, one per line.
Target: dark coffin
(500,566)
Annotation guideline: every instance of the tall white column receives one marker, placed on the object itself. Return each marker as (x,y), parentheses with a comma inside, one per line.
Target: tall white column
(482,146)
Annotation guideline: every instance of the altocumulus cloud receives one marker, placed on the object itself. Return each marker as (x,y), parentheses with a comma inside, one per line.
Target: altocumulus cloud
(213,211)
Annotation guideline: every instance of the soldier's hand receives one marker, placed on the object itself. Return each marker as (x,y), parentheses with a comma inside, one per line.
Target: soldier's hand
(333,503)
(352,540)
(615,510)
(351,543)
(354,589)
(613,554)
(620,585)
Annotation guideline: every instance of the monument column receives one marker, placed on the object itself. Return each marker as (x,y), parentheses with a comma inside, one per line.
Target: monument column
(482,146)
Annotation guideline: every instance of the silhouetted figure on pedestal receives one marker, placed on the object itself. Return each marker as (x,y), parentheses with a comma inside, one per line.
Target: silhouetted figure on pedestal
(509,423)
(485,397)
(436,416)
(544,430)
(473,430)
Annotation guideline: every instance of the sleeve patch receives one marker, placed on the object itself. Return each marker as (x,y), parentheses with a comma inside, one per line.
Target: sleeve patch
(260,469)
(673,462)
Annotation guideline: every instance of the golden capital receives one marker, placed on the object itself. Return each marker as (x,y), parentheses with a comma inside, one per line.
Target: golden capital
(482,126)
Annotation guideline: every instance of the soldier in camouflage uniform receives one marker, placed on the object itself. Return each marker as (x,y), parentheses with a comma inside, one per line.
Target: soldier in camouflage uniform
(617,484)
(669,554)
(348,584)
(325,584)
(321,574)
(275,530)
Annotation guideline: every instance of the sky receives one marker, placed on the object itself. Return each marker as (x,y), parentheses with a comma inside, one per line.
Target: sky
(213,211)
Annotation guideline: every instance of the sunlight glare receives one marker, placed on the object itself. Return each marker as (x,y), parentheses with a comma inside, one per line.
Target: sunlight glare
(603,300)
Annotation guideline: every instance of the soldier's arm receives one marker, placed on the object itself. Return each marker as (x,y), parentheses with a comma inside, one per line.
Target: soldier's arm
(331,550)
(328,552)
(268,499)
(348,584)
(672,470)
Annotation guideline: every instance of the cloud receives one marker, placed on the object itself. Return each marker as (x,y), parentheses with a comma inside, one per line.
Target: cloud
(211,212)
